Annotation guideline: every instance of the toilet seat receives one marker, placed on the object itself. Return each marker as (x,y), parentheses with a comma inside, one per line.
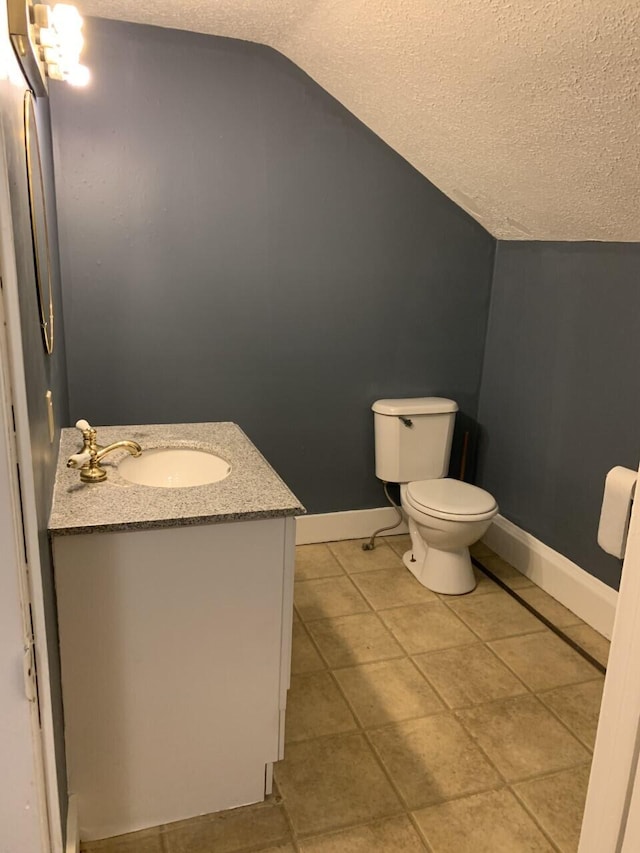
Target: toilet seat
(450,500)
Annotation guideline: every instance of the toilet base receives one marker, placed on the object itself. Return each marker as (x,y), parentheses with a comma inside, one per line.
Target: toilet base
(447,572)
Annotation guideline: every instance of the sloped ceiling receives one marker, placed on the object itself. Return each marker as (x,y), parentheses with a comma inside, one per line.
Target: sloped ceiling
(524,112)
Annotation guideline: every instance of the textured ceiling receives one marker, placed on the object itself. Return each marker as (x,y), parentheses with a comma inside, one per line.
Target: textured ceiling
(525,112)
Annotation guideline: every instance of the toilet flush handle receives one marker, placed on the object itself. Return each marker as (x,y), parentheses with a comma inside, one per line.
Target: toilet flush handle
(406,421)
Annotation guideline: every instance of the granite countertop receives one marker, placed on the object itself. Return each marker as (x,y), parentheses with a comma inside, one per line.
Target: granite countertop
(252,490)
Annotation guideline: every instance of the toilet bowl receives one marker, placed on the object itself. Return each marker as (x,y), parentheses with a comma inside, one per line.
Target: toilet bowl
(445,517)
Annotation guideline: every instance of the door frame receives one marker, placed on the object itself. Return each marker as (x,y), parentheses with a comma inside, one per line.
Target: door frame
(611,822)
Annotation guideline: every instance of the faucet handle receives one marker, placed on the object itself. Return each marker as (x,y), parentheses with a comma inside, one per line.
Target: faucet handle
(83,425)
(77,460)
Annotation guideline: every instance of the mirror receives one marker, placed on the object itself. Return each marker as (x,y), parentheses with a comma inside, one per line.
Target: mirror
(39,228)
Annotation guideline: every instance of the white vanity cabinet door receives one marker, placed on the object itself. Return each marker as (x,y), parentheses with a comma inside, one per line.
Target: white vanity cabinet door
(174,663)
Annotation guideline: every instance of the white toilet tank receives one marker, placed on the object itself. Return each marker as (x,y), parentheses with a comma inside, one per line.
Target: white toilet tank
(413,438)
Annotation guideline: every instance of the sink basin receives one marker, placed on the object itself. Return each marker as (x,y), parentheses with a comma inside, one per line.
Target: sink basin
(174,468)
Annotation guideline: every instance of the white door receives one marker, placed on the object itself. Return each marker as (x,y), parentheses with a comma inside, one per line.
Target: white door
(30,819)
(612,812)
(23,824)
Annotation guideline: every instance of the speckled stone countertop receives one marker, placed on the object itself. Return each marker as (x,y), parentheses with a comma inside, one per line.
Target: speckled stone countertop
(252,490)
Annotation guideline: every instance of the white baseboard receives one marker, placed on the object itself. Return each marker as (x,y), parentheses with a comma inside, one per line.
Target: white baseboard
(353,524)
(73,840)
(586,596)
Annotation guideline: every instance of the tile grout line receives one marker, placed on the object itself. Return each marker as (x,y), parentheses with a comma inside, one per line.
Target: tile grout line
(424,604)
(461,619)
(253,847)
(549,624)
(548,774)
(482,639)
(507,784)
(287,817)
(564,726)
(402,810)
(534,817)
(472,704)
(536,694)
(506,663)
(355,662)
(315,645)
(368,606)
(536,820)
(567,727)
(315,836)
(422,835)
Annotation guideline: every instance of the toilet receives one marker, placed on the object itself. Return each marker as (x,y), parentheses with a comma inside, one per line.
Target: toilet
(413,444)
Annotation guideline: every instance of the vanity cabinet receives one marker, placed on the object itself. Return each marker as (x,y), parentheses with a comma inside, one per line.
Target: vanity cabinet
(175,648)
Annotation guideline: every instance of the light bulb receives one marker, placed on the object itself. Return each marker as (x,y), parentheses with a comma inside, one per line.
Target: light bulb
(71,44)
(54,71)
(62,45)
(51,55)
(47,37)
(79,75)
(66,18)
(41,15)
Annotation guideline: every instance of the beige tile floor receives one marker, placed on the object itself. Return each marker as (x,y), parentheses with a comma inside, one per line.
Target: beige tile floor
(416,722)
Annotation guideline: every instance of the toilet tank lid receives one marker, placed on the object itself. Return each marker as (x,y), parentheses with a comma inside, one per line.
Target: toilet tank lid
(415,406)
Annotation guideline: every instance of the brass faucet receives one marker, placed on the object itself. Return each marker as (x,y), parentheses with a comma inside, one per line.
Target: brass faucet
(88,458)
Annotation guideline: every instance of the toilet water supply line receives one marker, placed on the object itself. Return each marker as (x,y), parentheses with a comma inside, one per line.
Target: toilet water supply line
(370,545)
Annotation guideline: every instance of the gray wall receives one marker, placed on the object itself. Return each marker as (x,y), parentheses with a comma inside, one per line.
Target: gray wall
(42,371)
(237,246)
(560,404)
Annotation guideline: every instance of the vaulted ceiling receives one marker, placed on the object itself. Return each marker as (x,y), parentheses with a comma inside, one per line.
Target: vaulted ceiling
(524,112)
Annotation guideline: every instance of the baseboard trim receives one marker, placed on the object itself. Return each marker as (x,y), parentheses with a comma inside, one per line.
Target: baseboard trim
(586,596)
(73,840)
(353,524)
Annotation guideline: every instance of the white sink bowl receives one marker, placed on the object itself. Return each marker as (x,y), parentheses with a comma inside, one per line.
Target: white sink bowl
(174,468)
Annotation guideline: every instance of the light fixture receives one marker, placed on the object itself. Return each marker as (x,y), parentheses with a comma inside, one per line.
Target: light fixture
(47,42)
